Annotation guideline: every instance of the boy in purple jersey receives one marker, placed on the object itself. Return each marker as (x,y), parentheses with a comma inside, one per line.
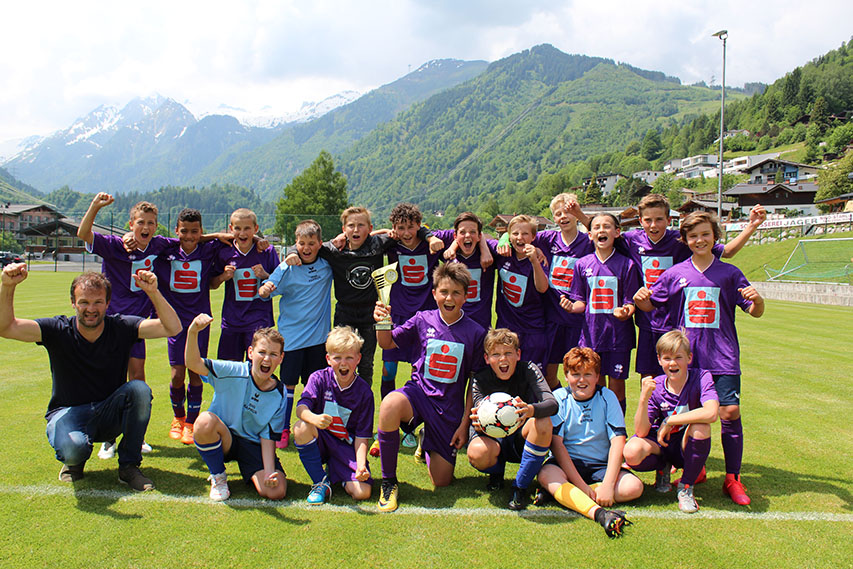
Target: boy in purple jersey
(672,425)
(184,270)
(654,248)
(243,269)
(702,292)
(466,244)
(336,421)
(119,266)
(520,303)
(603,292)
(534,404)
(450,348)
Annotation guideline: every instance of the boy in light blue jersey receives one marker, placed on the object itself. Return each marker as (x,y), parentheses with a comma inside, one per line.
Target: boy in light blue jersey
(245,417)
(305,312)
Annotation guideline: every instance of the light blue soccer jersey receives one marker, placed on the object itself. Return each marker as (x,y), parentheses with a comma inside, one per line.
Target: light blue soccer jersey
(251,413)
(587,426)
(305,309)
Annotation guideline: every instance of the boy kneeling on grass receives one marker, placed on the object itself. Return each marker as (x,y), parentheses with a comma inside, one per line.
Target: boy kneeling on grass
(672,426)
(246,415)
(586,473)
(535,404)
(335,422)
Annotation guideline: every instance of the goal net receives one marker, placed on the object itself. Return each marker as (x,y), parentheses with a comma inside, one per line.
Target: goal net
(818,261)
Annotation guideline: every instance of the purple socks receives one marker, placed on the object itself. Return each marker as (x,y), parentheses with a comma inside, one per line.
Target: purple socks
(389,448)
(696,452)
(732,437)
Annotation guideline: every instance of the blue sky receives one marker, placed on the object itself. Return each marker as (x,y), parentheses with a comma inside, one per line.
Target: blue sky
(60,60)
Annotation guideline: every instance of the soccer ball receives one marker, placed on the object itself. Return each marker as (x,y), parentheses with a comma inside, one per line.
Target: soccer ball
(497,415)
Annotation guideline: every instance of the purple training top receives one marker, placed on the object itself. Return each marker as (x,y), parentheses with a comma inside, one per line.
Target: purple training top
(561,258)
(413,290)
(603,286)
(478,303)
(704,304)
(351,409)
(652,259)
(243,310)
(118,266)
(519,306)
(447,355)
(698,389)
(184,278)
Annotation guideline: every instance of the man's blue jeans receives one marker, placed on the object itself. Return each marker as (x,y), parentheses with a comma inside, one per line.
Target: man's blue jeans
(71,431)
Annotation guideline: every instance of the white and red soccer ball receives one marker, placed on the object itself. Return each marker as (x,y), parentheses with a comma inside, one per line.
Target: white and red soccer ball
(497,415)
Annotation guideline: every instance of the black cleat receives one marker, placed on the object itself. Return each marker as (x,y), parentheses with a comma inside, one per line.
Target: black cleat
(496,481)
(541,498)
(518,500)
(613,522)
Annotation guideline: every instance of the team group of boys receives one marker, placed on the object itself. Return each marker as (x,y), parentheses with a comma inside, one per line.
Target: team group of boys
(563,297)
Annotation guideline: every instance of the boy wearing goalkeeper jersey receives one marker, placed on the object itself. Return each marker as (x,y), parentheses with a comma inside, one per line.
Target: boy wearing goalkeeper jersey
(534,404)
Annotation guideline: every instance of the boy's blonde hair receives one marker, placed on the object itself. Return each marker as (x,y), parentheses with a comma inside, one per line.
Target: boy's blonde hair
(309,228)
(652,201)
(690,222)
(522,219)
(561,200)
(355,210)
(500,337)
(143,207)
(673,342)
(343,340)
(579,359)
(244,213)
(270,334)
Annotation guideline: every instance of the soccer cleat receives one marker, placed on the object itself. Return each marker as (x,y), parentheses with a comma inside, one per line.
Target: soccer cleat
(419,452)
(132,476)
(703,476)
(187,434)
(496,481)
(108,450)
(541,497)
(285,439)
(71,473)
(518,499)
(734,489)
(686,501)
(388,496)
(320,492)
(177,428)
(613,522)
(146,448)
(662,483)
(374,449)
(219,487)
(409,440)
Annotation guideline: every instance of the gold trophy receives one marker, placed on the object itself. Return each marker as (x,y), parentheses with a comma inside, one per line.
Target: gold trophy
(383,278)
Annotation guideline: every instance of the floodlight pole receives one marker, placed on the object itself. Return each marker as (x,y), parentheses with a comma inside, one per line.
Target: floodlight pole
(722,34)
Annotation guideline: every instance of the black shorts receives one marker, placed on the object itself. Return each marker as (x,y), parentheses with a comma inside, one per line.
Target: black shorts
(248,456)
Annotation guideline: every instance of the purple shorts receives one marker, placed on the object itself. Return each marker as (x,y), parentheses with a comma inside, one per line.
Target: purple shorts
(647,355)
(233,345)
(177,344)
(438,427)
(615,364)
(339,456)
(565,338)
(137,350)
(302,363)
(534,348)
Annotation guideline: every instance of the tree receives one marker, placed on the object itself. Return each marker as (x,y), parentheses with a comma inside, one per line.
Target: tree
(652,145)
(593,193)
(820,114)
(8,242)
(319,190)
(833,181)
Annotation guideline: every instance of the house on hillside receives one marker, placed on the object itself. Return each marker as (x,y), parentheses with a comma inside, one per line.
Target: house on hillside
(57,238)
(776,196)
(672,166)
(708,205)
(607,182)
(14,218)
(697,166)
(764,172)
(741,164)
(842,203)
(648,176)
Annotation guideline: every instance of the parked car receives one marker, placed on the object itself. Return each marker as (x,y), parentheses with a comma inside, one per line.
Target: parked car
(7,257)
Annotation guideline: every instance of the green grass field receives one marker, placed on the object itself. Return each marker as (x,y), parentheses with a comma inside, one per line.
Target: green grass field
(798,467)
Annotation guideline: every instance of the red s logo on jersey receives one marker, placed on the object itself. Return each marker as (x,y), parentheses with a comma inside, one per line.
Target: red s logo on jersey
(602,298)
(443,365)
(185,278)
(702,311)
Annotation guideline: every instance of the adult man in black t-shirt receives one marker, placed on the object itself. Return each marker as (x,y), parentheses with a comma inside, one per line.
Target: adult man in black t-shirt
(91,399)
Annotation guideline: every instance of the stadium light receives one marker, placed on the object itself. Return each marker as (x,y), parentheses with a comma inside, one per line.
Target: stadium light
(722,34)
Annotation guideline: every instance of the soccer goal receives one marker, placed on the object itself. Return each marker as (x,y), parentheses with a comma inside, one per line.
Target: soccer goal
(817,261)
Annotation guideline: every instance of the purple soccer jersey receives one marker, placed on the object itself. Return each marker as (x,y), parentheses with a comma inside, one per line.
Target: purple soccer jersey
(562,258)
(184,278)
(119,266)
(447,354)
(351,408)
(704,303)
(243,310)
(604,285)
(652,259)
(478,303)
(519,306)
(698,389)
(413,290)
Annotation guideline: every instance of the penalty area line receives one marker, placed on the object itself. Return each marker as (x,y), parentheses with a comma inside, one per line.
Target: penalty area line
(37,491)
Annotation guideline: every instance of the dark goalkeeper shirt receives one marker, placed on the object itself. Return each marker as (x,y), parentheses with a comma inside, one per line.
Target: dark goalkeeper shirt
(527,382)
(87,372)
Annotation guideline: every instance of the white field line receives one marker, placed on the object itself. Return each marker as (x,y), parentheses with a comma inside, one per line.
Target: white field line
(34,491)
